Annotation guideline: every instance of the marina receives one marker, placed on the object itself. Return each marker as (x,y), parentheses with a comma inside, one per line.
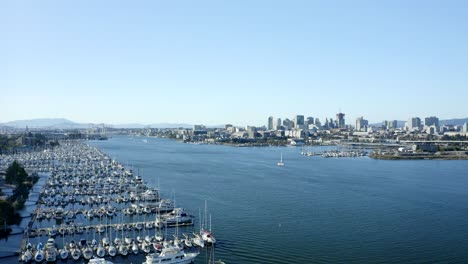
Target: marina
(92,207)
(351,153)
(335,206)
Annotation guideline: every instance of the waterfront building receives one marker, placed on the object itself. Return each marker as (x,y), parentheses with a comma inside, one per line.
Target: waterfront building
(414,123)
(431,121)
(361,124)
(298,121)
(251,131)
(340,121)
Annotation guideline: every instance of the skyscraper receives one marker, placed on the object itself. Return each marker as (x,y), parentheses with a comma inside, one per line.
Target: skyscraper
(270,123)
(361,124)
(340,121)
(432,120)
(414,123)
(465,128)
(288,124)
(277,123)
(298,121)
(390,124)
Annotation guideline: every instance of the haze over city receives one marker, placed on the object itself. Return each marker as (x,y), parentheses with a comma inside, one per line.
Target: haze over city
(233,62)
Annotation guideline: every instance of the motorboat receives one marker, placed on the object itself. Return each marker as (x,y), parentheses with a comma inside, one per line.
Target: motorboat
(99,261)
(177,216)
(171,254)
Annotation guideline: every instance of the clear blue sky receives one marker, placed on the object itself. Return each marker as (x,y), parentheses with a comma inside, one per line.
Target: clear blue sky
(216,62)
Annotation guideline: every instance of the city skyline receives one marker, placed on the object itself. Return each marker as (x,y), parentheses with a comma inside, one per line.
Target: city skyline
(214,63)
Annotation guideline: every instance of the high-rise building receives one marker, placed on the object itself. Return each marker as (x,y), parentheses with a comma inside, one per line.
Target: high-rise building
(251,131)
(270,123)
(288,124)
(361,124)
(430,121)
(340,121)
(465,128)
(414,123)
(310,120)
(390,124)
(298,121)
(277,123)
(317,122)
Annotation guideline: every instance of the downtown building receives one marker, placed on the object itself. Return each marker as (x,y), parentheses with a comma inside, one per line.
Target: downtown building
(361,124)
(413,124)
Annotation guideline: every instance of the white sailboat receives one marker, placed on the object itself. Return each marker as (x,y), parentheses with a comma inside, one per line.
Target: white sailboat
(281,163)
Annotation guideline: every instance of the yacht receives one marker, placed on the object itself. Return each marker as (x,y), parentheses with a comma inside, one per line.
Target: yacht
(171,254)
(177,216)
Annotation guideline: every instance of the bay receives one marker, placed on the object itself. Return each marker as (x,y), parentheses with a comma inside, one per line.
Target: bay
(313,210)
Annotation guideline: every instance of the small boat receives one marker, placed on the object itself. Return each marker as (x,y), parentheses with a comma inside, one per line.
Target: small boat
(281,163)
(187,241)
(112,250)
(135,248)
(123,250)
(51,254)
(39,255)
(75,253)
(27,256)
(63,253)
(99,261)
(88,252)
(100,251)
(198,240)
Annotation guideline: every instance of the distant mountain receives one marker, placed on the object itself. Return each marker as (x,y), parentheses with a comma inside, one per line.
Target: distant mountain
(157,125)
(170,125)
(62,123)
(399,124)
(45,123)
(455,121)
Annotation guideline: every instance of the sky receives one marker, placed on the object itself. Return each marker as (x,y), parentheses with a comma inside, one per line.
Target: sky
(217,62)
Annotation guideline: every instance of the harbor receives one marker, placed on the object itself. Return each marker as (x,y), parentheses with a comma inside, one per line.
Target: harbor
(92,208)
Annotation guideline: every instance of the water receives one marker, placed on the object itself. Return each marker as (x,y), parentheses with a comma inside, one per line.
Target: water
(313,210)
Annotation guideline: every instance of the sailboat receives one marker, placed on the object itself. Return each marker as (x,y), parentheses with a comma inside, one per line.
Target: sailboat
(280,163)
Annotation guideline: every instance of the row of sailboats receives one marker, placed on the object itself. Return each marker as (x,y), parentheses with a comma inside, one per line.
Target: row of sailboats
(85,172)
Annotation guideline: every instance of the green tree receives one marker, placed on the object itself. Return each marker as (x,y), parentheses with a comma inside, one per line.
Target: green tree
(8,214)
(15,174)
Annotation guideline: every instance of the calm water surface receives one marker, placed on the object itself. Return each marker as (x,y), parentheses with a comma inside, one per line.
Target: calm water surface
(313,210)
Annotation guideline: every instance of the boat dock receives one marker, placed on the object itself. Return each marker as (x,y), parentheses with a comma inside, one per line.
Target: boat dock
(91,198)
